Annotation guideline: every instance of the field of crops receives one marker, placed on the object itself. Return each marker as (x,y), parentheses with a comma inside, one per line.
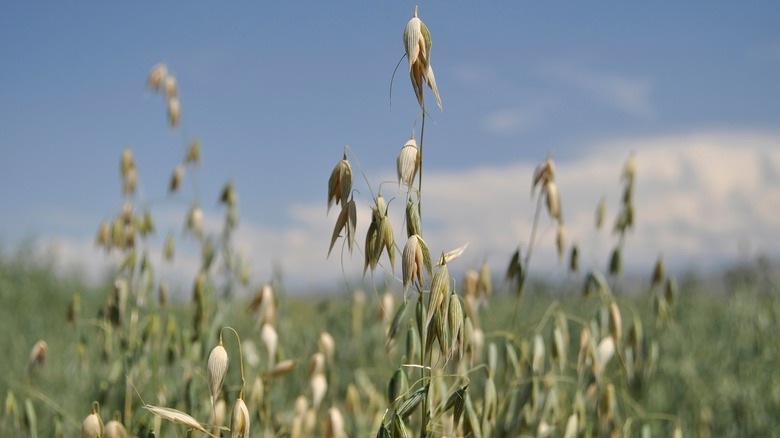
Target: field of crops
(716,371)
(421,350)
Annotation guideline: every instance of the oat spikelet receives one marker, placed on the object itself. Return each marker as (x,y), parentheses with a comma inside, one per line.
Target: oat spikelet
(416,257)
(216,370)
(407,163)
(115,428)
(239,421)
(92,426)
(156,76)
(417,43)
(271,340)
(553,199)
(174,112)
(37,356)
(340,183)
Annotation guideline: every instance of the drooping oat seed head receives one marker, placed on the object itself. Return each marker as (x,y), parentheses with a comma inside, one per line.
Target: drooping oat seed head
(127,162)
(553,199)
(271,340)
(417,43)
(455,322)
(216,370)
(327,346)
(115,428)
(629,169)
(670,290)
(407,163)
(283,368)
(334,426)
(193,152)
(156,76)
(440,289)
(416,258)
(543,174)
(176,177)
(239,420)
(340,183)
(92,426)
(604,352)
(560,240)
(220,409)
(174,112)
(319,386)
(170,86)
(195,221)
(37,356)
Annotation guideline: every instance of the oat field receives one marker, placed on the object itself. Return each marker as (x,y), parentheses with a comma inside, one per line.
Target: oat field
(418,349)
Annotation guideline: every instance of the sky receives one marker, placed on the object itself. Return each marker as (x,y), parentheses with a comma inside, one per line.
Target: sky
(276,91)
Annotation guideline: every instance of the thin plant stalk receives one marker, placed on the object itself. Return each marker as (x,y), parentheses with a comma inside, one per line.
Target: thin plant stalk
(528,253)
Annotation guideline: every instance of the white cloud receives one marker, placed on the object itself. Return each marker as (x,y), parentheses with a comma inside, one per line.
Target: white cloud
(698,196)
(628,94)
(517,119)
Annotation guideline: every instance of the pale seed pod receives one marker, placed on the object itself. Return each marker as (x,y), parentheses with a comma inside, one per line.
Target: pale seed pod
(193,152)
(220,409)
(176,178)
(558,353)
(216,370)
(283,368)
(553,200)
(470,279)
(156,76)
(37,356)
(440,289)
(543,174)
(195,221)
(319,386)
(229,197)
(239,421)
(126,162)
(130,182)
(417,44)
(170,86)
(92,426)
(317,364)
(326,345)
(174,112)
(257,394)
(455,319)
(601,211)
(335,424)
(615,323)
(270,339)
(115,428)
(560,240)
(340,183)
(571,427)
(416,258)
(604,352)
(658,272)
(407,163)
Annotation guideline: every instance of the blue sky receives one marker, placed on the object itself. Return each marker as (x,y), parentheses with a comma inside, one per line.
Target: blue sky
(274,91)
